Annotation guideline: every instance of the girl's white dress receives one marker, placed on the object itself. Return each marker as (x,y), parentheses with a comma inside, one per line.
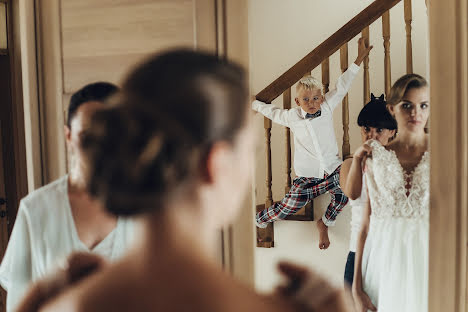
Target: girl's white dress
(395,257)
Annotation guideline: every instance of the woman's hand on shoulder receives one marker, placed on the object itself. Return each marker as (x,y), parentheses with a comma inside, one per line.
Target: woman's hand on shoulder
(311,291)
(78,266)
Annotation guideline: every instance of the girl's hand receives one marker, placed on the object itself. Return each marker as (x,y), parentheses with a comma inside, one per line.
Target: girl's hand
(362,152)
(362,300)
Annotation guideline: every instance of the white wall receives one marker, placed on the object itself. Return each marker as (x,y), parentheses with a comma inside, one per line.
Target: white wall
(281,33)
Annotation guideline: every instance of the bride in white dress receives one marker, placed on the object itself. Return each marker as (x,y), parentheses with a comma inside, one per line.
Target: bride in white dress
(391,269)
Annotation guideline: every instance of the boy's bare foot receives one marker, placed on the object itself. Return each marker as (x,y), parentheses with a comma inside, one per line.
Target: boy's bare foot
(324,241)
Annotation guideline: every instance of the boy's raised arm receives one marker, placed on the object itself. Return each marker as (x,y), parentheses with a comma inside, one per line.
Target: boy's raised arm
(276,114)
(363,51)
(344,82)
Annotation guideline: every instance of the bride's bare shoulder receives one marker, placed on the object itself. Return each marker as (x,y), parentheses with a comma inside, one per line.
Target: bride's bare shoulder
(99,292)
(193,287)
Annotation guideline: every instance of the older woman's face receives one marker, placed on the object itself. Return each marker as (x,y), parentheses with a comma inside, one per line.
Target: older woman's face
(412,112)
(78,125)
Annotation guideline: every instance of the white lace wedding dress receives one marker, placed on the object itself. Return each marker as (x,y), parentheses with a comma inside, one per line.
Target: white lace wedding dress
(395,257)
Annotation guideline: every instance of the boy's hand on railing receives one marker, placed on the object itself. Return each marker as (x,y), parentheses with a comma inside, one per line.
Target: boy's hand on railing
(363,51)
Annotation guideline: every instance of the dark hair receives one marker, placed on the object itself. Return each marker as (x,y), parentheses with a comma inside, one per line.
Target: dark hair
(402,85)
(155,138)
(375,114)
(97,91)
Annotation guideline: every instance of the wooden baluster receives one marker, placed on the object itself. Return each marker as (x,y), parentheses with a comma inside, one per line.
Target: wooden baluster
(345,149)
(326,75)
(287,105)
(386,44)
(269,197)
(409,44)
(365,35)
(265,236)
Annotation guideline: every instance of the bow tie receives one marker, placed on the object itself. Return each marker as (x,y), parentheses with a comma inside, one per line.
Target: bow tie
(314,115)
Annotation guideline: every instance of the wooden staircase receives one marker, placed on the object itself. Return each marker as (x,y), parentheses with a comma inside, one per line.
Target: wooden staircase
(320,56)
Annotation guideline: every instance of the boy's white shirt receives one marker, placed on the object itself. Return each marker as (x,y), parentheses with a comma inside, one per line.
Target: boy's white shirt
(316,150)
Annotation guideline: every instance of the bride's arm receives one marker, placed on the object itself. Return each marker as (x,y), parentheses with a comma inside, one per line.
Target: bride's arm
(361,299)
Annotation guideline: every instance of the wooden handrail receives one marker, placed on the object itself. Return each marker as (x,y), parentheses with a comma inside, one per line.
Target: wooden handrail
(327,48)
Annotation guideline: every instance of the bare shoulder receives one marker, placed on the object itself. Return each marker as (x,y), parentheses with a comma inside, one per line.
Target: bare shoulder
(102,291)
(202,287)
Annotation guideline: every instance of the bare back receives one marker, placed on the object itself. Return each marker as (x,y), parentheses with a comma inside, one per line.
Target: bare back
(169,284)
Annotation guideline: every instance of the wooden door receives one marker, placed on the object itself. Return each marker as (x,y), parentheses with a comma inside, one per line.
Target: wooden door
(83,41)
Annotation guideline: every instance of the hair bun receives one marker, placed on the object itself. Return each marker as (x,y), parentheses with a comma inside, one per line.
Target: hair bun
(148,146)
(130,160)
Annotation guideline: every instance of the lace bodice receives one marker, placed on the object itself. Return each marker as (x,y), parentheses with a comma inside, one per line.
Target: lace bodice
(387,181)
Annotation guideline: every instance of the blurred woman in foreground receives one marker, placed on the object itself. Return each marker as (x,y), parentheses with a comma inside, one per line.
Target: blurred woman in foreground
(176,151)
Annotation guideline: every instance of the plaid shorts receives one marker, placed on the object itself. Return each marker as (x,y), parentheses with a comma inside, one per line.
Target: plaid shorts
(302,191)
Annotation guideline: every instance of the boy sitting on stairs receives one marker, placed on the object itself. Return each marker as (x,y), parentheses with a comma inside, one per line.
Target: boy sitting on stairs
(316,161)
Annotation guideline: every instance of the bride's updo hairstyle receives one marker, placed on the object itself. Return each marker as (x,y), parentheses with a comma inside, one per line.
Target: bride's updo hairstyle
(153,142)
(402,85)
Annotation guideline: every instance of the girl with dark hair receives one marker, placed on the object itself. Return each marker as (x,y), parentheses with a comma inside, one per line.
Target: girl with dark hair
(376,123)
(391,269)
(175,149)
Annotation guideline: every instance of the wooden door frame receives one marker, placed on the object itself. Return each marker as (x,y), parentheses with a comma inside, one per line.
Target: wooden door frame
(12,144)
(13,126)
(25,67)
(239,239)
(448,261)
(3,227)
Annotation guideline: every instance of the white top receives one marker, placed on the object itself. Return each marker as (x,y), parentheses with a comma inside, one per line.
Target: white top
(316,150)
(43,236)
(357,206)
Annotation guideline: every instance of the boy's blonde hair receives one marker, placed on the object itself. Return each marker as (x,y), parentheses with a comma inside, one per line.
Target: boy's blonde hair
(308,83)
